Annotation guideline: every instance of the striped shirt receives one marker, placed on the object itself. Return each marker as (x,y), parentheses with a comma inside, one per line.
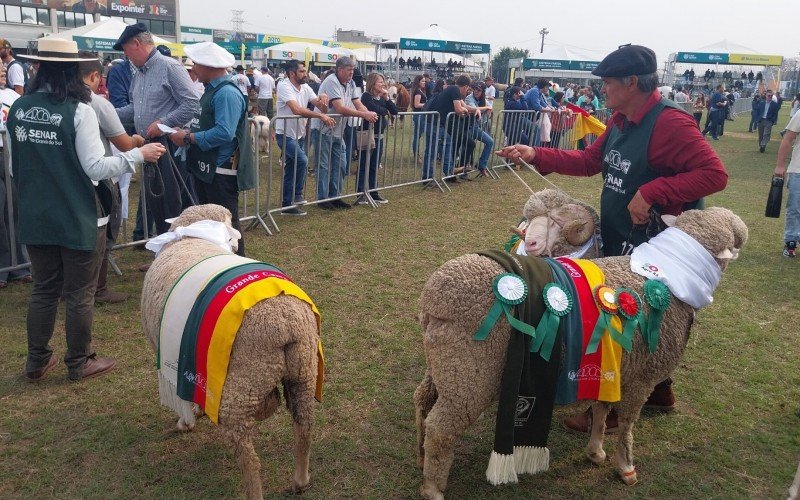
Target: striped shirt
(161,90)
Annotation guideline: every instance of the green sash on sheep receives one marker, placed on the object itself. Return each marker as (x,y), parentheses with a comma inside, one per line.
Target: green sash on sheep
(528,385)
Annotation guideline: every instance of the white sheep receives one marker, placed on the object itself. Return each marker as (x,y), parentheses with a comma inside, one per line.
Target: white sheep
(463,375)
(276,344)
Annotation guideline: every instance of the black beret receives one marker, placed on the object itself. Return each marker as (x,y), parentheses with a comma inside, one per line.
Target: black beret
(165,51)
(130,31)
(628,60)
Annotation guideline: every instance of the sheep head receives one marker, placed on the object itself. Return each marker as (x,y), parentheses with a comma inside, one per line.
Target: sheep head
(211,212)
(717,229)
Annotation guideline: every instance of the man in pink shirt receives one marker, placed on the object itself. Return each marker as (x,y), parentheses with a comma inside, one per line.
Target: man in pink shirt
(653,161)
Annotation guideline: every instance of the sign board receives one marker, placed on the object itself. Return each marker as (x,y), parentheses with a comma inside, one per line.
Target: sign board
(755,59)
(559,64)
(702,57)
(95,44)
(148,9)
(444,46)
(326,58)
(234,36)
(192,34)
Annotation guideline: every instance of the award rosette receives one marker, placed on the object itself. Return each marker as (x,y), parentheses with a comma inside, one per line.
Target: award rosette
(658,297)
(558,302)
(509,290)
(630,308)
(606,300)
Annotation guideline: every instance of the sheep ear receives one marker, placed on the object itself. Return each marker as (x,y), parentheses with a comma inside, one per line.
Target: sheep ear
(726,254)
(668,219)
(170,221)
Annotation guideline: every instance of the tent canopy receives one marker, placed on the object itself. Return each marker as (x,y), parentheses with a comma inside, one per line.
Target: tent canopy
(437,39)
(306,51)
(101,37)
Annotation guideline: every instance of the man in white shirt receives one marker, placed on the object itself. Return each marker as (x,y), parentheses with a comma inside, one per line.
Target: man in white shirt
(15,72)
(681,96)
(491,92)
(789,148)
(266,87)
(241,80)
(294,95)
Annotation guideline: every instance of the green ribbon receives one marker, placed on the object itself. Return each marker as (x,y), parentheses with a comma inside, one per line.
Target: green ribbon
(631,321)
(547,329)
(603,324)
(658,297)
(503,305)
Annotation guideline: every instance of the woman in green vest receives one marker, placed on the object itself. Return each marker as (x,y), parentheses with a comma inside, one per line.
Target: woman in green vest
(57,159)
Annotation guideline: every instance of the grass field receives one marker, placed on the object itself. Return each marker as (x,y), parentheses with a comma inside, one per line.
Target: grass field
(735,432)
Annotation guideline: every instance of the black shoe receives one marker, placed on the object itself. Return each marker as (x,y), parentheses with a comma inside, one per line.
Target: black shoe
(326,205)
(340,205)
(762,148)
(293,211)
(427,184)
(377,198)
(453,180)
(361,200)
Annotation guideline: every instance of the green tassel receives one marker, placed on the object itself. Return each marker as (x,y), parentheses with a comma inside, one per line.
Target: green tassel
(489,321)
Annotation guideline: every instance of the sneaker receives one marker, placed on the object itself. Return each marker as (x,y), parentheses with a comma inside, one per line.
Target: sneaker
(377,198)
(300,201)
(790,250)
(340,205)
(762,149)
(453,180)
(293,211)
(361,200)
(326,205)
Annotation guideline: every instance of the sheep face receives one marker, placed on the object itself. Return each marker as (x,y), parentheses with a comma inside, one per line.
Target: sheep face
(540,236)
(560,232)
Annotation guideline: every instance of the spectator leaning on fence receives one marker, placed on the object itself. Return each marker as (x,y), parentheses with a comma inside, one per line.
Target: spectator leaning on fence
(294,96)
(375,99)
(653,161)
(478,106)
(220,156)
(57,159)
(788,149)
(450,100)
(329,141)
(161,93)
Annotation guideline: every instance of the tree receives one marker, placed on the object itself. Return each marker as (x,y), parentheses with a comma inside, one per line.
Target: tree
(500,62)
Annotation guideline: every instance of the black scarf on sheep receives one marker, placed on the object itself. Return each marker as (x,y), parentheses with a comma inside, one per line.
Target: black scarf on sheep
(528,385)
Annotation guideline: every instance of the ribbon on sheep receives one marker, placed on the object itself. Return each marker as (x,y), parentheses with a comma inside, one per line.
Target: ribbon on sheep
(509,290)
(658,297)
(558,302)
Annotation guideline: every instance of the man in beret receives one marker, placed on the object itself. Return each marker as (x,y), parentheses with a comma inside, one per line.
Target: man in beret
(161,92)
(653,161)
(219,157)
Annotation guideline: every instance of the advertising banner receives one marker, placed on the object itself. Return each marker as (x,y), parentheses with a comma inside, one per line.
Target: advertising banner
(701,57)
(755,59)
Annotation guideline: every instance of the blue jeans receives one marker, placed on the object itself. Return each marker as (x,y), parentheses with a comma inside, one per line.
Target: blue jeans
(478,134)
(349,144)
(295,165)
(753,122)
(332,164)
(792,231)
(419,129)
(430,152)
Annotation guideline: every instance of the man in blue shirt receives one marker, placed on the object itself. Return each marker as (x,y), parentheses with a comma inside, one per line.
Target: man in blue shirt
(219,157)
(716,112)
(536,98)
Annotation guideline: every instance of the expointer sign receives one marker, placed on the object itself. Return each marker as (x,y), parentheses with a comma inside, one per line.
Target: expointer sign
(561,64)
(444,46)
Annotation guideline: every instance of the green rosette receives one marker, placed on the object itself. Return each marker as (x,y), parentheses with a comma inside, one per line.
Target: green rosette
(509,290)
(558,302)
(630,308)
(657,296)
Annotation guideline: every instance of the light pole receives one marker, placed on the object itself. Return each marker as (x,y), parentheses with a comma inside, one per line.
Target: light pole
(543,32)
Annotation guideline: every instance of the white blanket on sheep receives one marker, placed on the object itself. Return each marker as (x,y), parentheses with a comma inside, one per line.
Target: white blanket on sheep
(680,262)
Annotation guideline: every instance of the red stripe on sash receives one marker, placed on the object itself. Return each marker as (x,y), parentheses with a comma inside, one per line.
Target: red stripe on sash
(209,322)
(589,373)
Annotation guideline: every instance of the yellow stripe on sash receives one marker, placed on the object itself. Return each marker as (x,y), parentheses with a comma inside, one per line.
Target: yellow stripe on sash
(611,352)
(228,323)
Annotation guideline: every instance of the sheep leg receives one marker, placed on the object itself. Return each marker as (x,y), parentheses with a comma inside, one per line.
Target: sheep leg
(623,458)
(594,450)
(301,404)
(240,439)
(424,399)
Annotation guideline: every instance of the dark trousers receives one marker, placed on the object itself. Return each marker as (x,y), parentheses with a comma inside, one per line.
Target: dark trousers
(224,191)
(57,272)
(164,182)
(373,157)
(713,123)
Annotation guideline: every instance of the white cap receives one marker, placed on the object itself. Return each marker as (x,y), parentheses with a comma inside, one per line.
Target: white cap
(209,54)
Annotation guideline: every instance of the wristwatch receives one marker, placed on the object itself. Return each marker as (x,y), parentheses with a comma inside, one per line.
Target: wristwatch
(187,139)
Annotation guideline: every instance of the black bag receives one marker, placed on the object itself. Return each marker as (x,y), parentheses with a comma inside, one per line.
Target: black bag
(774,199)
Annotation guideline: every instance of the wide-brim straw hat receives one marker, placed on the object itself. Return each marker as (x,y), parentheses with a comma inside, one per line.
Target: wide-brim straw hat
(56,50)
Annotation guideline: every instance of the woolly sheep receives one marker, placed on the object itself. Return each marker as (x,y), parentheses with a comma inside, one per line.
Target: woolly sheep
(463,376)
(276,343)
(262,131)
(556,224)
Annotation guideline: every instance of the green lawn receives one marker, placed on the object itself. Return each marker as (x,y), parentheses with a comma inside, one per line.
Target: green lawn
(735,432)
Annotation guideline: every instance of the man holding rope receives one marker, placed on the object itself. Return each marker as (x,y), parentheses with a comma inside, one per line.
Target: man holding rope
(161,93)
(654,161)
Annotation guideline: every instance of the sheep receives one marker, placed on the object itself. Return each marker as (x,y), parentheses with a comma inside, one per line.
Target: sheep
(276,343)
(556,224)
(259,131)
(462,377)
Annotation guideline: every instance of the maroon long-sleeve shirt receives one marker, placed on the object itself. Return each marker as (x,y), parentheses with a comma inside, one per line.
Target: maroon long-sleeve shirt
(689,167)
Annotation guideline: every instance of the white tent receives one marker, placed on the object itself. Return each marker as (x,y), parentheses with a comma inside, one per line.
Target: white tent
(726,47)
(321,54)
(101,36)
(569,54)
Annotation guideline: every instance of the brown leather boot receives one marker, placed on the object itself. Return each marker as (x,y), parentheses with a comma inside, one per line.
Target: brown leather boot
(582,423)
(109,297)
(94,367)
(37,375)
(662,398)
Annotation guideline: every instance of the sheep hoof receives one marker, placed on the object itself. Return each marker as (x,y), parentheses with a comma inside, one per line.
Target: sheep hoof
(597,457)
(297,489)
(430,491)
(197,410)
(421,457)
(629,477)
(183,426)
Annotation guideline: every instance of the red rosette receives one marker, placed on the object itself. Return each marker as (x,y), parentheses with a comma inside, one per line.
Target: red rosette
(629,302)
